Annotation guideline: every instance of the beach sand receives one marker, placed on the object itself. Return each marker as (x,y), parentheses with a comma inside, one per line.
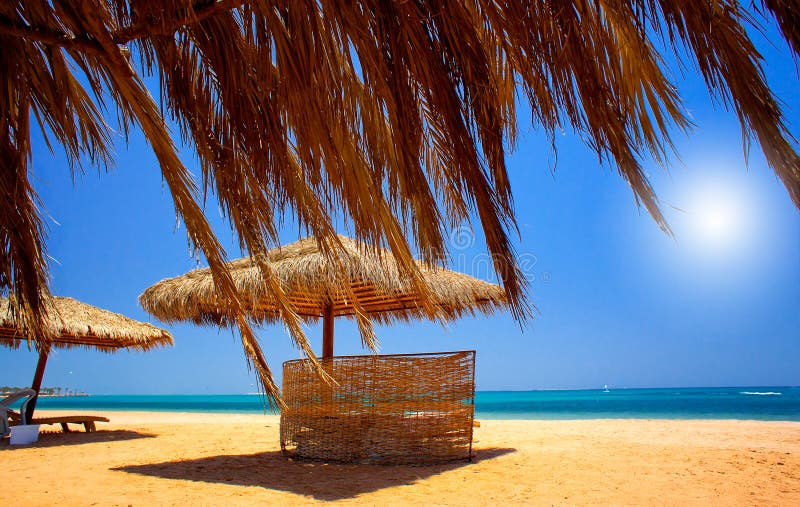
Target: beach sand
(142,458)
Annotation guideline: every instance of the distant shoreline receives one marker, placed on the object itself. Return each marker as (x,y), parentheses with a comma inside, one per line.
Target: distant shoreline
(82,395)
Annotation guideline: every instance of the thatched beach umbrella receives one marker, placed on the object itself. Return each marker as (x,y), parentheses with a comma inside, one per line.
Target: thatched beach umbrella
(354,280)
(363,415)
(75,324)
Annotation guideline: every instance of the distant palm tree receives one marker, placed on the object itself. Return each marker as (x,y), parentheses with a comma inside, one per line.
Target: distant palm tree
(395,114)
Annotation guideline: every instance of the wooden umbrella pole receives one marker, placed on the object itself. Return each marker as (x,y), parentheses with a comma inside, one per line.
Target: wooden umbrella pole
(327,355)
(327,331)
(36,385)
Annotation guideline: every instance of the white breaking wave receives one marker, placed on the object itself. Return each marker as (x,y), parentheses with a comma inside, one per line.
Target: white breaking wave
(756,393)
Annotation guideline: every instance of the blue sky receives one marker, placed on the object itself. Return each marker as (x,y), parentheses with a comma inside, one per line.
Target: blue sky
(619,302)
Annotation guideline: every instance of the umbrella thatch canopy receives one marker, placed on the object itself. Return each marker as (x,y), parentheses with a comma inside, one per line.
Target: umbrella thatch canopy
(75,324)
(354,280)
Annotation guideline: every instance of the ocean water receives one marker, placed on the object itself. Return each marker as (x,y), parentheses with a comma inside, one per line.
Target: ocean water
(761,403)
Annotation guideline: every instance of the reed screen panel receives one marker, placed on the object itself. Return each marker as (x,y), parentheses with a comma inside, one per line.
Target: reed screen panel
(389,409)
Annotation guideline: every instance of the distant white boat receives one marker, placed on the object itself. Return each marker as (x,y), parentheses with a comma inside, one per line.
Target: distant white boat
(605,388)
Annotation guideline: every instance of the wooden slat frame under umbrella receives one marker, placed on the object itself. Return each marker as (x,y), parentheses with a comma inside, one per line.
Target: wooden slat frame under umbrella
(75,324)
(350,279)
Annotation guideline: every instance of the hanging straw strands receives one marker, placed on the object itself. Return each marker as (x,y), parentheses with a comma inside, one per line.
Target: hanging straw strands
(393,115)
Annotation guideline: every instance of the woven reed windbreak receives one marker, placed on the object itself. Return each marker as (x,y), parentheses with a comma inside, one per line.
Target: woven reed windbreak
(387,409)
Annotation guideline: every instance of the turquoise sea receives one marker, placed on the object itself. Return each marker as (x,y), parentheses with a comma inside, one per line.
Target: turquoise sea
(762,403)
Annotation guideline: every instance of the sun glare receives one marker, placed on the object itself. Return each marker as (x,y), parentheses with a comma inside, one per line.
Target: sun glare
(716,221)
(716,217)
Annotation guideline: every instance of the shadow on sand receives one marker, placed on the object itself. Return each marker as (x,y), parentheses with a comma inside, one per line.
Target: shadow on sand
(57,438)
(323,481)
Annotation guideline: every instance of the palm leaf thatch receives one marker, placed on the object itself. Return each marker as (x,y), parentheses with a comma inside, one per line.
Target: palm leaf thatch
(392,114)
(75,324)
(357,282)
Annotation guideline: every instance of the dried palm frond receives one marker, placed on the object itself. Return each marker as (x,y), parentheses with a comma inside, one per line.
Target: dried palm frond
(395,115)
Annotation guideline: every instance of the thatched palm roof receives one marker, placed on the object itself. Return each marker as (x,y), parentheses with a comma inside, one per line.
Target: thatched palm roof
(75,324)
(358,279)
(393,115)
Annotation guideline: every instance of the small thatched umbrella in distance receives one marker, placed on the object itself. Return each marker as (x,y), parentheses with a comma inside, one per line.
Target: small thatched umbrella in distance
(76,324)
(353,280)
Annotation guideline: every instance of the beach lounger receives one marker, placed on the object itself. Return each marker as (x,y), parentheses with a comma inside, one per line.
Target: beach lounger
(87,421)
(5,409)
(64,420)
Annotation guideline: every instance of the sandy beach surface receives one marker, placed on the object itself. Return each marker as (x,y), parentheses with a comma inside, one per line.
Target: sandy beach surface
(146,458)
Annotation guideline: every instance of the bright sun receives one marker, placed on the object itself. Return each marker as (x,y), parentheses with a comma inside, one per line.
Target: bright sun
(716,217)
(716,220)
